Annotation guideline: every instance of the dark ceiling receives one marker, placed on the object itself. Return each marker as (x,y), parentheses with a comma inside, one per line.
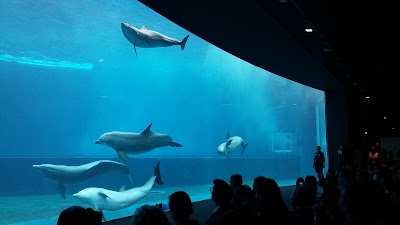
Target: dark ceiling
(361,37)
(363,44)
(356,41)
(247,30)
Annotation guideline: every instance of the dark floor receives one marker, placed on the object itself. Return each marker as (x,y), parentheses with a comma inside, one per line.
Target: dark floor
(203,209)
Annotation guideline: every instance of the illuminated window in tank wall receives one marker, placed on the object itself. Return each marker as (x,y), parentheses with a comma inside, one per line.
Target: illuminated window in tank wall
(282,142)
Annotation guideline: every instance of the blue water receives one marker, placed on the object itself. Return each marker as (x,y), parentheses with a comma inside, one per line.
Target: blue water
(67,75)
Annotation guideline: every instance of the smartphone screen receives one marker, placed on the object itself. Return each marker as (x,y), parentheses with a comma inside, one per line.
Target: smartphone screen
(165,207)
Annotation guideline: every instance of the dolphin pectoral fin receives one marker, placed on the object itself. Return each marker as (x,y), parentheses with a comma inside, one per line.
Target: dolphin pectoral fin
(227,156)
(228,143)
(103,195)
(174,144)
(147,130)
(135,49)
(244,145)
(122,155)
(61,189)
(102,215)
(143,38)
(228,136)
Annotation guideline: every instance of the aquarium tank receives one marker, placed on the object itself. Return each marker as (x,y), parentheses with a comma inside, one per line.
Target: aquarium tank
(109,96)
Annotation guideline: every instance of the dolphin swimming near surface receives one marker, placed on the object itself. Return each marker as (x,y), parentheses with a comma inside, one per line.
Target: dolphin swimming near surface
(231,144)
(149,39)
(135,143)
(102,199)
(63,174)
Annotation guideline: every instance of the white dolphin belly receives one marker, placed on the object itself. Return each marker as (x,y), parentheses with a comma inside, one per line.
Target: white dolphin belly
(119,200)
(231,145)
(236,141)
(155,39)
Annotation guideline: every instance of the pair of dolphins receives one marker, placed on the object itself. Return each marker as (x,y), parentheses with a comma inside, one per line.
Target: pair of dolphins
(99,198)
(138,143)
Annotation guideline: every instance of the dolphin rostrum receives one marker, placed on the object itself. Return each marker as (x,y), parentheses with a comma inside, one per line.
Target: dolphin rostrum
(63,174)
(102,199)
(145,38)
(135,143)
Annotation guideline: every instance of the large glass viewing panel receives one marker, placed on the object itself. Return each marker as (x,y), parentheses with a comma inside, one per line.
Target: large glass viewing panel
(69,74)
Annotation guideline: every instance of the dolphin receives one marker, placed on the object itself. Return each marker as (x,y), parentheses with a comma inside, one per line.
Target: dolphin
(78,174)
(135,143)
(149,39)
(231,144)
(102,199)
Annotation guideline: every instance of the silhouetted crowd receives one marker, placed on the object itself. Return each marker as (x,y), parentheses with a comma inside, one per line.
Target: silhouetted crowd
(348,196)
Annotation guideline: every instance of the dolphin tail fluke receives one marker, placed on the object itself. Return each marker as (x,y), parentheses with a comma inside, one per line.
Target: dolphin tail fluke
(244,145)
(174,144)
(61,189)
(183,42)
(159,181)
(157,174)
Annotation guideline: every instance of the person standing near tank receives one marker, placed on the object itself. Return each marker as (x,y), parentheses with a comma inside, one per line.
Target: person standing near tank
(319,163)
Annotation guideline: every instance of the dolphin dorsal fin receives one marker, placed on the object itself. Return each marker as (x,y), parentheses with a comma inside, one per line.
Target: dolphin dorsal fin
(228,135)
(123,188)
(144,27)
(228,143)
(147,130)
